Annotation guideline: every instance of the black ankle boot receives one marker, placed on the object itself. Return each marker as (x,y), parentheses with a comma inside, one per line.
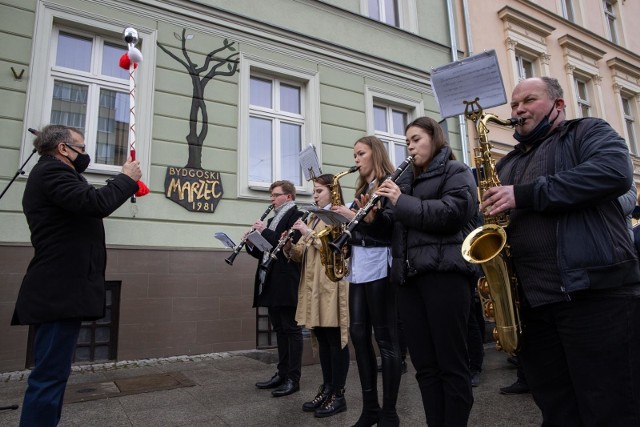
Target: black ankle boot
(334,404)
(370,409)
(323,393)
(388,417)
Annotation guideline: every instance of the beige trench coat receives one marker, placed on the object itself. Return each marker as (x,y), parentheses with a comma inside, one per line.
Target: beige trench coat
(321,302)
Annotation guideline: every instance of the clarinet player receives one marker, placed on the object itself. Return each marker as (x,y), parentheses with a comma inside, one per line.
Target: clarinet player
(431,211)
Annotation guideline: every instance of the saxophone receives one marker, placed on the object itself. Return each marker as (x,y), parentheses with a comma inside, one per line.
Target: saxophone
(487,245)
(335,263)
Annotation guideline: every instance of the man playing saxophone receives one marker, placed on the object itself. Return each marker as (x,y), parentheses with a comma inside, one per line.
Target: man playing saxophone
(574,260)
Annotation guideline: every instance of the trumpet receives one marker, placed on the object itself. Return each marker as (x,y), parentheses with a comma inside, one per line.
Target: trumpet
(337,244)
(240,245)
(273,255)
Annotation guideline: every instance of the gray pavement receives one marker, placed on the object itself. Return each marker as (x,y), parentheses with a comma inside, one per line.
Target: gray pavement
(224,394)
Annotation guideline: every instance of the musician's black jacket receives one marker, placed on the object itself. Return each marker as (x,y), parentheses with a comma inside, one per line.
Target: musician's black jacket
(431,218)
(65,278)
(283,277)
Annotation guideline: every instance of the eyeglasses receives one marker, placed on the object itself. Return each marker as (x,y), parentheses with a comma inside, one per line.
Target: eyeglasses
(80,146)
(276,195)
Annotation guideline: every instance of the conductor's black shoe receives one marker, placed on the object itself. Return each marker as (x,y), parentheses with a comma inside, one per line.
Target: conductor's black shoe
(518,387)
(475,379)
(513,360)
(275,381)
(287,388)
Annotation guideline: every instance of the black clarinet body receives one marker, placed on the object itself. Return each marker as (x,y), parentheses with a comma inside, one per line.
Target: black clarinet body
(336,245)
(273,255)
(240,245)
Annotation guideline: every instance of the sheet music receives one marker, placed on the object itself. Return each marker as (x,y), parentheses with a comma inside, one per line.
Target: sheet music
(475,77)
(258,241)
(328,217)
(309,163)
(226,240)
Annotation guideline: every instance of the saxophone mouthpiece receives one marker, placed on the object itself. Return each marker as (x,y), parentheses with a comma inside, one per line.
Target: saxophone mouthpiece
(516,121)
(353,168)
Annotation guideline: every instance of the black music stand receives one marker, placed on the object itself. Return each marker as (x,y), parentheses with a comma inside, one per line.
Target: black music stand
(18,173)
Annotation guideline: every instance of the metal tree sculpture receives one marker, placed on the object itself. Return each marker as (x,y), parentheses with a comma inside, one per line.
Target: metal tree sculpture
(195,139)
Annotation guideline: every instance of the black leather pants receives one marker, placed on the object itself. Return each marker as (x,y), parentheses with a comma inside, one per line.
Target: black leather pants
(373,305)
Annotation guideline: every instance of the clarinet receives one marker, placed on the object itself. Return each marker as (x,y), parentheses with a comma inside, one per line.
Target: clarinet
(273,255)
(240,245)
(336,245)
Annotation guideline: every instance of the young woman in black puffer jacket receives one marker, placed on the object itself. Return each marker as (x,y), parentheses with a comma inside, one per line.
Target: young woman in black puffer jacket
(431,212)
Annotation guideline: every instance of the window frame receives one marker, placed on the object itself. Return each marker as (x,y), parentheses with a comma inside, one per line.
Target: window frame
(568,10)
(583,103)
(94,83)
(309,81)
(407,14)
(630,121)
(414,107)
(49,17)
(611,20)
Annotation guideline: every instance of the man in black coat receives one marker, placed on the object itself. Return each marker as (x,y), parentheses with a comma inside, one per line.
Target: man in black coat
(277,289)
(64,283)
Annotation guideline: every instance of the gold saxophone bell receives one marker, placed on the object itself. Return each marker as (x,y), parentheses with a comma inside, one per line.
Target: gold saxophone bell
(487,245)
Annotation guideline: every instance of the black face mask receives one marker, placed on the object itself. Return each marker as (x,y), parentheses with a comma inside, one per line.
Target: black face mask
(539,131)
(81,162)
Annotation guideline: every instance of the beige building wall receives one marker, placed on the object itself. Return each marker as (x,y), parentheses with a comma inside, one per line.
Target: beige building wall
(570,40)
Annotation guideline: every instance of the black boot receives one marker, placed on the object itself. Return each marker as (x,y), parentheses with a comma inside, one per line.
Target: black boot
(334,404)
(388,417)
(323,393)
(275,381)
(370,409)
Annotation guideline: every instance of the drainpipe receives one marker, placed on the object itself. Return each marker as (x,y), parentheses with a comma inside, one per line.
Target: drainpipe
(454,58)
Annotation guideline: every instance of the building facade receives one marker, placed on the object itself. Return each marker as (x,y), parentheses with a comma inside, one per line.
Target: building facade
(226,96)
(588,45)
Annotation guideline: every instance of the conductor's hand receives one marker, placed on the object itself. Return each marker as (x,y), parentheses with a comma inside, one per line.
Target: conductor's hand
(132,169)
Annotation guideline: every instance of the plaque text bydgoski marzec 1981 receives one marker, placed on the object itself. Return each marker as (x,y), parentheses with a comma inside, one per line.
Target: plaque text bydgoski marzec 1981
(196,190)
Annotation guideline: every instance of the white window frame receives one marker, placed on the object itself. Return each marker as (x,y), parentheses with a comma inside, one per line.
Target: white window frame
(570,9)
(49,17)
(407,14)
(520,58)
(582,62)
(309,81)
(93,82)
(583,103)
(414,107)
(610,14)
(630,120)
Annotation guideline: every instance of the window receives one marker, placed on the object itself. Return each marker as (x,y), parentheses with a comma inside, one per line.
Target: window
(91,92)
(397,13)
(629,122)
(582,94)
(384,11)
(275,131)
(610,16)
(76,81)
(525,67)
(525,38)
(387,116)
(389,124)
(567,10)
(279,116)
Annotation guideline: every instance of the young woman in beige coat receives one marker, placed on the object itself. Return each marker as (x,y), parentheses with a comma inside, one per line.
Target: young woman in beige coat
(323,307)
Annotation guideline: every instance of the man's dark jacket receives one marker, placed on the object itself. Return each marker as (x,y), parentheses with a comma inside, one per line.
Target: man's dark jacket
(65,278)
(283,277)
(592,169)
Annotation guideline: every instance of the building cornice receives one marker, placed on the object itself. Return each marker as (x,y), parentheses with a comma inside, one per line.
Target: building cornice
(510,14)
(582,30)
